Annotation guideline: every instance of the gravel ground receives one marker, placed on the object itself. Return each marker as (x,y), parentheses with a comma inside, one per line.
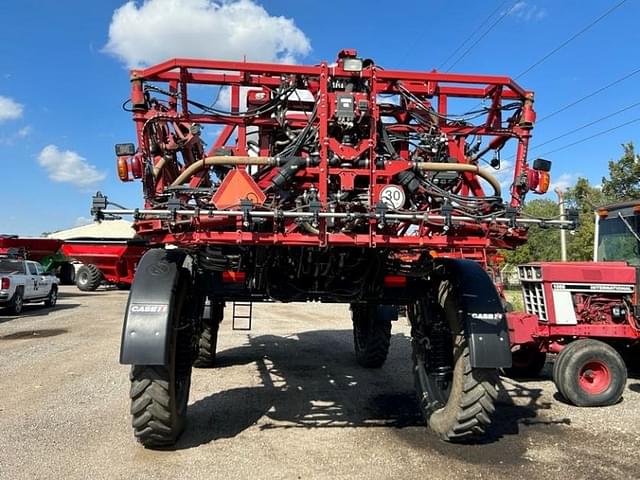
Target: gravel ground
(287,401)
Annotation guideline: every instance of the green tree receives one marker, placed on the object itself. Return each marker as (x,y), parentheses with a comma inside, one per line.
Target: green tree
(586,199)
(624,176)
(543,244)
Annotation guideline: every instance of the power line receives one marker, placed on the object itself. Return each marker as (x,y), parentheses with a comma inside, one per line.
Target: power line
(491,27)
(484,22)
(595,92)
(582,127)
(570,39)
(592,136)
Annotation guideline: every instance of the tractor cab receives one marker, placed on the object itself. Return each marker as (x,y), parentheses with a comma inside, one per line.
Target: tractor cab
(617,235)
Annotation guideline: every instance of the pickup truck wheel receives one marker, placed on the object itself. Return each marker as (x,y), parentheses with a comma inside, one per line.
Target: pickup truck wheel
(17,304)
(456,399)
(371,335)
(52,299)
(88,278)
(208,340)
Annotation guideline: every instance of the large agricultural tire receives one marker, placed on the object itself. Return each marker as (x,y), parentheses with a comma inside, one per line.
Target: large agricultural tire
(371,335)
(67,274)
(558,366)
(160,393)
(88,278)
(52,298)
(528,362)
(590,373)
(208,339)
(458,407)
(17,302)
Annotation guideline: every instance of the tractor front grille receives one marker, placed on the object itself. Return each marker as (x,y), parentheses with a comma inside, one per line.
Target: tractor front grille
(534,303)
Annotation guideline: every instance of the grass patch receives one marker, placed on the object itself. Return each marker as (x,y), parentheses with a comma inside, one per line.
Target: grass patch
(515,298)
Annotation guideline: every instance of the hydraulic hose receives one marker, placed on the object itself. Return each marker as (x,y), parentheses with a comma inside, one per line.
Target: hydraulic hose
(461,167)
(221,160)
(294,163)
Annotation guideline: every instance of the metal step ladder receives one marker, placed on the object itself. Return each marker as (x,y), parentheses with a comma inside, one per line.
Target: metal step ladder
(242,313)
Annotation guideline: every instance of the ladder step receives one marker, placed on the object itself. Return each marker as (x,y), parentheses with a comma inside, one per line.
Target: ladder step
(242,315)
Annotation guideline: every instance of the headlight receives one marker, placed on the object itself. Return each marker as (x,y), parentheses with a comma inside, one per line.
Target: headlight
(352,64)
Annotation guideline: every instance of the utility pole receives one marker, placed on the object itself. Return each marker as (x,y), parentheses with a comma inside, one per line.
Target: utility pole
(563,232)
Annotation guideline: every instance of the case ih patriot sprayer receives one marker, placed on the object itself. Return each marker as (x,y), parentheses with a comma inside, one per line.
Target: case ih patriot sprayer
(338,182)
(587,312)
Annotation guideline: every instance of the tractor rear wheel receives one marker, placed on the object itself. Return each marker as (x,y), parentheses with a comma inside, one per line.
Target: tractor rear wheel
(160,393)
(371,335)
(88,278)
(528,362)
(208,340)
(456,399)
(590,373)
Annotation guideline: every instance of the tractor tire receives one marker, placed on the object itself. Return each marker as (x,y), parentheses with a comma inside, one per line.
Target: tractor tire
(52,298)
(371,335)
(591,374)
(528,362)
(17,303)
(458,407)
(160,393)
(88,278)
(558,366)
(208,340)
(67,274)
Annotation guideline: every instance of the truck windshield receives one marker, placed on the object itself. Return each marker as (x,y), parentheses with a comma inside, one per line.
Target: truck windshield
(618,239)
(10,266)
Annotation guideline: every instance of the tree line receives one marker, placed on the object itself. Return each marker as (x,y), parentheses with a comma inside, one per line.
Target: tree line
(622,183)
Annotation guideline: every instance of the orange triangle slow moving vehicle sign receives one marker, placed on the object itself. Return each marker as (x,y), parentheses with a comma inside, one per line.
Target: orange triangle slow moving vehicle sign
(236,186)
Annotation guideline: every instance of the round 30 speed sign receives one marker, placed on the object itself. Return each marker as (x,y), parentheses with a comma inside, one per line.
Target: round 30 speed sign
(393,196)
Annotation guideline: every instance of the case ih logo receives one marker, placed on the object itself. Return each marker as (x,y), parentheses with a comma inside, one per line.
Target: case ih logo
(486,316)
(144,308)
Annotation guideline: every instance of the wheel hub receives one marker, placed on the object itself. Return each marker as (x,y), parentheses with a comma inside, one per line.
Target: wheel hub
(594,377)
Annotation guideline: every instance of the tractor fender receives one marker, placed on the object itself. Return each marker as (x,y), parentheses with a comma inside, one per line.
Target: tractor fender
(147,319)
(481,313)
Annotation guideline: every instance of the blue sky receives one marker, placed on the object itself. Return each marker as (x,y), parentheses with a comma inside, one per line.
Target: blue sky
(63,76)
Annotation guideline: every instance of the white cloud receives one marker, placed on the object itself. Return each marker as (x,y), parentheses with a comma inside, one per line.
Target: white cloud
(9,109)
(156,30)
(69,167)
(527,11)
(24,131)
(10,140)
(563,182)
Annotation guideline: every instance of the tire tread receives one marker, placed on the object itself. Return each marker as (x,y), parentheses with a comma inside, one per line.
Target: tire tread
(150,407)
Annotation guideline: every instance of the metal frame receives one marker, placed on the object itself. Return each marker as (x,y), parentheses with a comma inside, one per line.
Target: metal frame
(183,224)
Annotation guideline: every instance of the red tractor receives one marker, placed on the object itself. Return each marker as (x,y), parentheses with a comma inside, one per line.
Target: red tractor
(338,182)
(586,312)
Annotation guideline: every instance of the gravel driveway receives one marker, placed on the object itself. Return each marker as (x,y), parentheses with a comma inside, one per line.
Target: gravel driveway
(287,401)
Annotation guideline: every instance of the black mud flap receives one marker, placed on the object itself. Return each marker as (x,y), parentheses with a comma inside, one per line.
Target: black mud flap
(482,313)
(147,320)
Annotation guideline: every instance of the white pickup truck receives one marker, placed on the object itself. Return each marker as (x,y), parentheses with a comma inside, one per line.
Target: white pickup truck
(24,281)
